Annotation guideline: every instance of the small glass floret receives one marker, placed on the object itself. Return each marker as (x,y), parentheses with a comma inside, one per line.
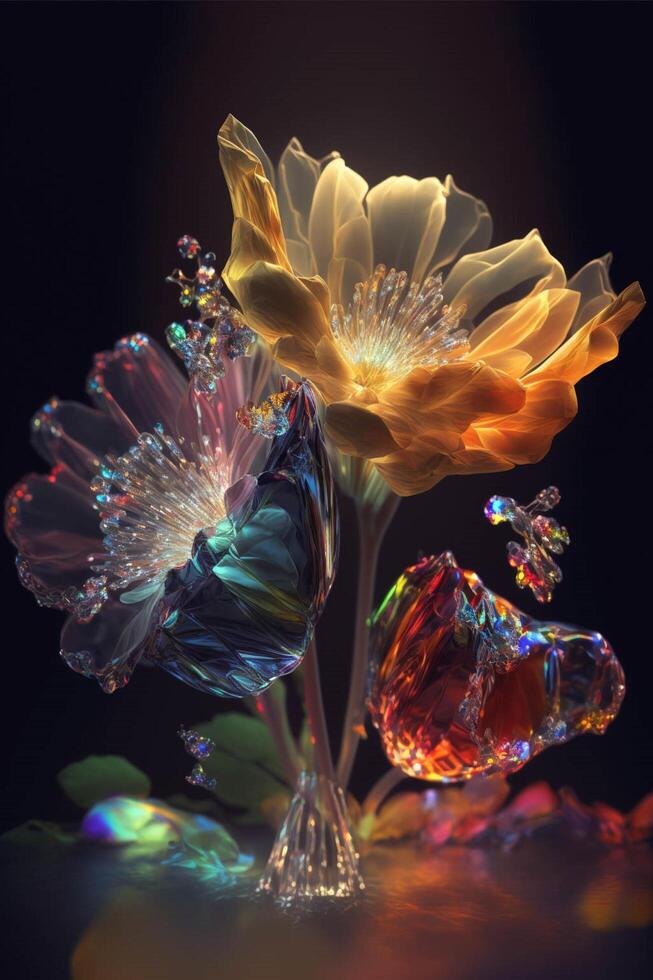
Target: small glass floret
(542,535)
(218,332)
(198,777)
(199,746)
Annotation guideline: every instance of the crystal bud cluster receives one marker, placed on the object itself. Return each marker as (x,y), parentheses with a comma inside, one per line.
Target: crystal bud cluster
(542,535)
(200,747)
(270,417)
(217,333)
(392,325)
(465,683)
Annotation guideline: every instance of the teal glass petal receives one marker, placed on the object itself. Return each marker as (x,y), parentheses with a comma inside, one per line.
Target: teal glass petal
(242,611)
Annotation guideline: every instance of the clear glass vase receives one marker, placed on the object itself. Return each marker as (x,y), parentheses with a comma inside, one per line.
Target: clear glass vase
(314,855)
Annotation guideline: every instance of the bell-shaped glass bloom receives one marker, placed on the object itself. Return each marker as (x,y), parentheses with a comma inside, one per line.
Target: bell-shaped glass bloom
(151,532)
(465,683)
(242,610)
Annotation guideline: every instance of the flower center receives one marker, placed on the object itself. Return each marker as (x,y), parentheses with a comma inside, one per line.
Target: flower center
(153,501)
(391,327)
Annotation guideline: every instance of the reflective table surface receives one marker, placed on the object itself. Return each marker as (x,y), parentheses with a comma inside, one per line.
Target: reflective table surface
(551,908)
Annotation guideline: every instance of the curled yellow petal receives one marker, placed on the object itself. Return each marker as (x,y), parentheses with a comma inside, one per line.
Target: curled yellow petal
(252,194)
(536,325)
(595,342)
(277,304)
(481,278)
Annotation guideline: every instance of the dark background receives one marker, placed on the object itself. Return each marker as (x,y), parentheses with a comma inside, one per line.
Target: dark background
(111,114)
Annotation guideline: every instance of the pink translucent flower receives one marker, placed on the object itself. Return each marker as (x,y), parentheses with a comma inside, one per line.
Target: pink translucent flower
(61,528)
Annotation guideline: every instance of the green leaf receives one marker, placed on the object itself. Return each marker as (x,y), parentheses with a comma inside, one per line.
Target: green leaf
(189,804)
(40,832)
(98,776)
(244,763)
(244,738)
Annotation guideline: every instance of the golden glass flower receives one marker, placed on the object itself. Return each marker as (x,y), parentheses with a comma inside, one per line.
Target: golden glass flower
(434,353)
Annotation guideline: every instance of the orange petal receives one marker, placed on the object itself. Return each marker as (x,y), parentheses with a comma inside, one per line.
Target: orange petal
(319,363)
(331,362)
(488,392)
(319,289)
(526,436)
(512,362)
(294,353)
(425,389)
(357,431)
(408,474)
(427,420)
(405,479)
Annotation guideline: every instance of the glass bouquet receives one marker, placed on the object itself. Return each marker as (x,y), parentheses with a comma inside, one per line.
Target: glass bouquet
(191,522)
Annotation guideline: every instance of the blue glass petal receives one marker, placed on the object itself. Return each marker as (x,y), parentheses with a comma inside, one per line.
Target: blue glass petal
(242,611)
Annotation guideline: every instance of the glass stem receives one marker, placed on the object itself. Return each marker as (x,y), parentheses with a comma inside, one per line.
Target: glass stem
(315,713)
(372,526)
(272,710)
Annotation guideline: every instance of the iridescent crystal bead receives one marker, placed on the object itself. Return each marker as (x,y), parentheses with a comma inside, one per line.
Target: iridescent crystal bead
(188,247)
(542,536)
(199,746)
(198,777)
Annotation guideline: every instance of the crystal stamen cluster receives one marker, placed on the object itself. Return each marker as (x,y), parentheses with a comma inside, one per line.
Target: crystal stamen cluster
(535,567)
(217,333)
(392,326)
(153,501)
(270,418)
